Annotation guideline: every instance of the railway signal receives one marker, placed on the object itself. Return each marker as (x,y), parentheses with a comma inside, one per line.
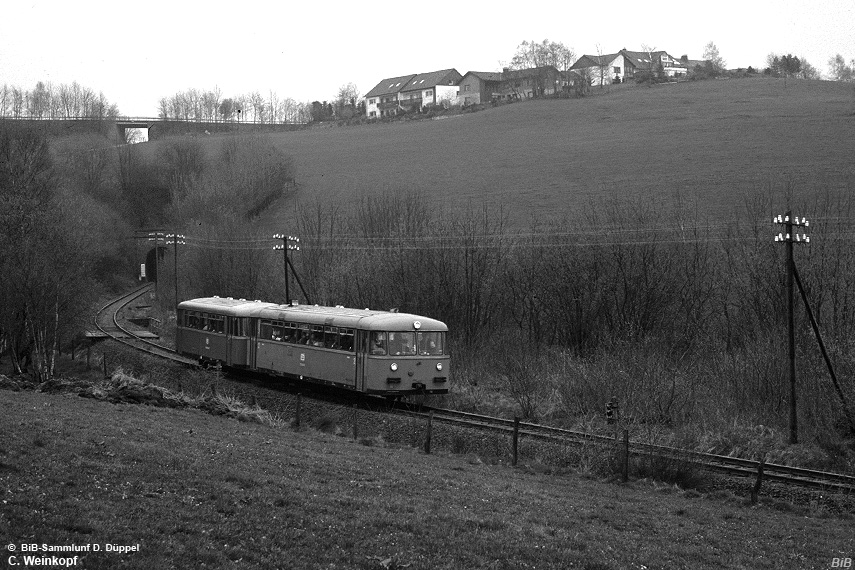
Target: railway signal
(789,238)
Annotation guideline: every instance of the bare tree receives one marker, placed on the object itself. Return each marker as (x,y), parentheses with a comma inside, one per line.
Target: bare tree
(839,70)
(345,100)
(4,99)
(712,55)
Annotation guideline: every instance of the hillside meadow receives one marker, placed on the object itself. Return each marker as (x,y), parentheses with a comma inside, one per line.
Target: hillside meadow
(697,145)
(194,490)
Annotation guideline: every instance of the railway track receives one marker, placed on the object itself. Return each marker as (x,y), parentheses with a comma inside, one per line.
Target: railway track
(719,463)
(107,322)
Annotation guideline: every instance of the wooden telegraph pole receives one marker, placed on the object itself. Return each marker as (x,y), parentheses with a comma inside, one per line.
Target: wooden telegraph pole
(175,240)
(156,237)
(789,238)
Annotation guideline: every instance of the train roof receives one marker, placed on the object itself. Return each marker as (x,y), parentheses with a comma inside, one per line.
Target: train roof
(316,314)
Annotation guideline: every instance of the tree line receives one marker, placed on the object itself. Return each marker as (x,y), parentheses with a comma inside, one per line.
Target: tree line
(49,101)
(210,105)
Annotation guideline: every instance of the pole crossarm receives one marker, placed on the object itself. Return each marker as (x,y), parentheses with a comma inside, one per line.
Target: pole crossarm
(788,235)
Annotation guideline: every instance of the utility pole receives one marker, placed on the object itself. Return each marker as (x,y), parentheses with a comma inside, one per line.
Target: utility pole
(289,243)
(789,238)
(175,240)
(156,237)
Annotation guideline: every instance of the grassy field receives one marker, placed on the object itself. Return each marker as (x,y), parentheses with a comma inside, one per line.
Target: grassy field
(704,144)
(195,490)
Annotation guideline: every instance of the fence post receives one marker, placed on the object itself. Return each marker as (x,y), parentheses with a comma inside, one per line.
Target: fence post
(516,439)
(755,492)
(429,429)
(625,455)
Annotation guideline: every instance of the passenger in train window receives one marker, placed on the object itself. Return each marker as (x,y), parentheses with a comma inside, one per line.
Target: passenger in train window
(378,343)
(289,333)
(427,344)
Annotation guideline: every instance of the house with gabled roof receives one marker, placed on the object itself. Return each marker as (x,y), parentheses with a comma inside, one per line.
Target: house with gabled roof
(623,65)
(600,69)
(650,61)
(531,82)
(400,94)
(433,88)
(382,101)
(479,87)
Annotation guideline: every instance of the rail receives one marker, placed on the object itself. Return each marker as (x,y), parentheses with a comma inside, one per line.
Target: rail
(720,463)
(125,336)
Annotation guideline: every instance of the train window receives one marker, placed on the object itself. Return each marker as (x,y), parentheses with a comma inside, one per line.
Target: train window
(430,343)
(402,343)
(345,339)
(288,330)
(304,334)
(216,324)
(277,331)
(331,337)
(317,336)
(377,346)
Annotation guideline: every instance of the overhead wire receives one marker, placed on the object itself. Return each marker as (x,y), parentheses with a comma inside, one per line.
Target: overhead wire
(671,234)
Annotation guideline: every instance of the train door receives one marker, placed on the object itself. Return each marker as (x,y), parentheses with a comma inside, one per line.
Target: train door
(361,343)
(252,334)
(238,352)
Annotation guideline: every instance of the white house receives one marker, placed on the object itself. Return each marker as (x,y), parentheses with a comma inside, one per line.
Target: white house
(400,94)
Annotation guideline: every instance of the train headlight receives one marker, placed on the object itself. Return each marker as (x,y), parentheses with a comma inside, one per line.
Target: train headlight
(393,366)
(439,365)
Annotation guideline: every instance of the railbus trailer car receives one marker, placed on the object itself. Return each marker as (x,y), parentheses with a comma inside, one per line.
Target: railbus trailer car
(374,352)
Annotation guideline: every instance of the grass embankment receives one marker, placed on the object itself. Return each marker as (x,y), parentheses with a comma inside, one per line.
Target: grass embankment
(196,489)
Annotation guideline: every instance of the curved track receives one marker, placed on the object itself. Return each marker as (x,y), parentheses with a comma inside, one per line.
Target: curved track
(107,321)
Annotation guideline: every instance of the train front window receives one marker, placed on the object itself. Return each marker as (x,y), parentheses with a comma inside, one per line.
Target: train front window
(377,344)
(430,343)
(402,343)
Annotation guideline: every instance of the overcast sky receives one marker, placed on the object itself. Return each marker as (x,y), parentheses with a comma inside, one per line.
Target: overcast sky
(137,52)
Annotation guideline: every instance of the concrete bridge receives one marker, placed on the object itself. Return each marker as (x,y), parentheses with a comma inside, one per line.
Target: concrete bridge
(160,128)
